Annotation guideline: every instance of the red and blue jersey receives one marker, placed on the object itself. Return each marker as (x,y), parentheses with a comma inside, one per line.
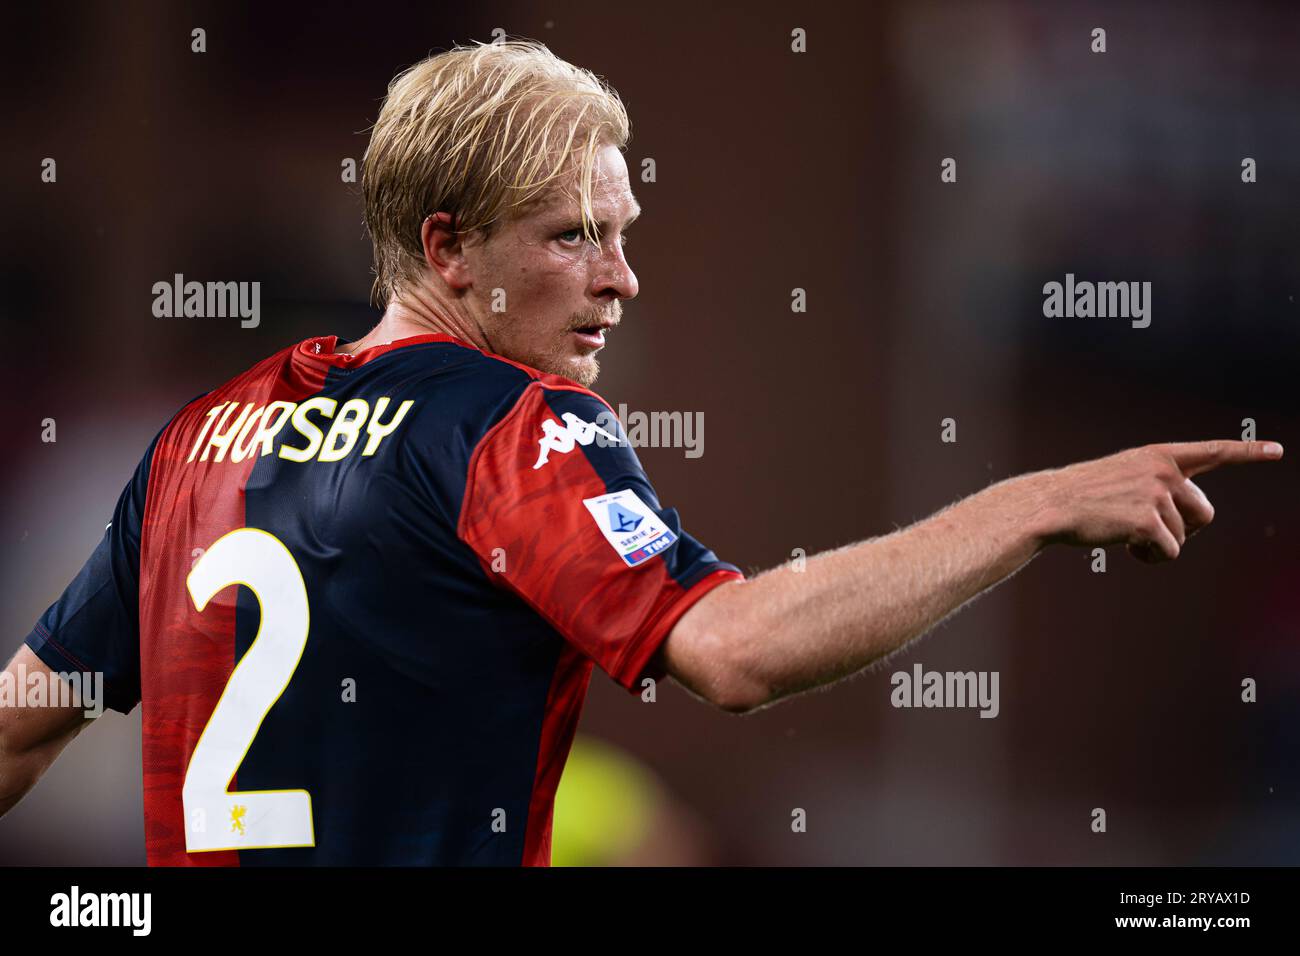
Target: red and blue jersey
(359,598)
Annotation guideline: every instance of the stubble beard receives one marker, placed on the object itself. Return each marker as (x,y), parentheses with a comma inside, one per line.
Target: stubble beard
(583,369)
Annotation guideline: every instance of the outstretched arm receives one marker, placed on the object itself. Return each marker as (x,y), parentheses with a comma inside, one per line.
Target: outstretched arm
(31,737)
(750,643)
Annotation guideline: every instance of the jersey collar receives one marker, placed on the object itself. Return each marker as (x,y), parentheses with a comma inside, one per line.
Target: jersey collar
(321,349)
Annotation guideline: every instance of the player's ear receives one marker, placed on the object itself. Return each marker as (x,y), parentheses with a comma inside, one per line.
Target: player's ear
(444,250)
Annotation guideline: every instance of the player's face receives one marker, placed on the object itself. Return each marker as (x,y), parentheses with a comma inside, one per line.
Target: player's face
(559,292)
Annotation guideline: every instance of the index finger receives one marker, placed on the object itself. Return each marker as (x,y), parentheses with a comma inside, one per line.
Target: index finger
(1195,457)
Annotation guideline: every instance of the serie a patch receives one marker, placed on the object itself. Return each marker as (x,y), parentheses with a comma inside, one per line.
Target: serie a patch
(630,526)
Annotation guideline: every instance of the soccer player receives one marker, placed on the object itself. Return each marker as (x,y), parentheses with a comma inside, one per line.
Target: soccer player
(359,589)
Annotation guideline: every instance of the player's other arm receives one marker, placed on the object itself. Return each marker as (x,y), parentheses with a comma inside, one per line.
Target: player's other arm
(750,643)
(31,737)
(93,628)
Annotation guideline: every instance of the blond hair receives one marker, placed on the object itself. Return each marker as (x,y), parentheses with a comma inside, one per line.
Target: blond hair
(479,132)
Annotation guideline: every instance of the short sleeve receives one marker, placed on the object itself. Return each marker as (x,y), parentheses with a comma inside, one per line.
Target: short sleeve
(558,506)
(95,625)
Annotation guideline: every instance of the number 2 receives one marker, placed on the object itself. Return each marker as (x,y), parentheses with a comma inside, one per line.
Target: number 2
(248,819)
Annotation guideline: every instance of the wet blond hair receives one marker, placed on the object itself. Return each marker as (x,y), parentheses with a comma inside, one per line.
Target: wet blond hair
(480,132)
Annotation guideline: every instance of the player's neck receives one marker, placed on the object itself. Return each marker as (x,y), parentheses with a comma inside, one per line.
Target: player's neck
(413,315)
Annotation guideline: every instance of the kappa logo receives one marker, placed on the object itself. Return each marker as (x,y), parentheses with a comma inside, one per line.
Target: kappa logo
(563,438)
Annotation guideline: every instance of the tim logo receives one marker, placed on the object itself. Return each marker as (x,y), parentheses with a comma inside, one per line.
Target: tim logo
(563,438)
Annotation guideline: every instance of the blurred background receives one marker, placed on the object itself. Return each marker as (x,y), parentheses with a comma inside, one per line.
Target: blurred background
(775,170)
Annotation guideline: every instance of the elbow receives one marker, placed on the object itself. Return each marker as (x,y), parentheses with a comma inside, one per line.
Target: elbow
(713,655)
(745,697)
(14,781)
(738,687)
(740,702)
(20,769)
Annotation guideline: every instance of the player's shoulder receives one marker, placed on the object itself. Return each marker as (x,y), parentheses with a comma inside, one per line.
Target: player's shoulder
(487,410)
(484,388)
(553,414)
